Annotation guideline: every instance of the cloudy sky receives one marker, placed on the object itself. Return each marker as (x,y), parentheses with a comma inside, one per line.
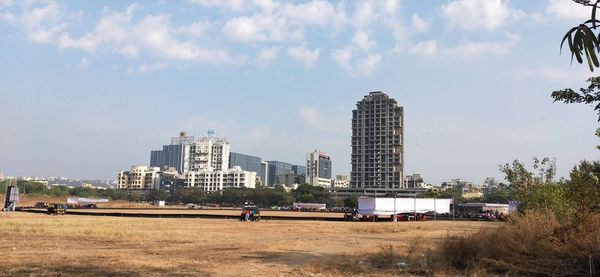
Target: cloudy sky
(88,88)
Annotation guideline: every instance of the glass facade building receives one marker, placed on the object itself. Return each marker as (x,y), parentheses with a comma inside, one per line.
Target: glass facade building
(170,156)
(248,163)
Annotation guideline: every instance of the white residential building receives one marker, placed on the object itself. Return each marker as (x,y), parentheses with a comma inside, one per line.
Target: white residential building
(139,177)
(318,169)
(216,180)
(340,181)
(189,153)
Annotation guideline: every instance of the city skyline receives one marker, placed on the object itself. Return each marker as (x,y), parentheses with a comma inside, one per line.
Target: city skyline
(85,102)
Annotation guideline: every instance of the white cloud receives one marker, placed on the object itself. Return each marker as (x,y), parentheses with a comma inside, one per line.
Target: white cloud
(6,3)
(267,55)
(277,21)
(316,12)
(116,31)
(425,48)
(303,55)
(154,33)
(363,14)
(113,28)
(361,40)
(552,74)
(471,49)
(129,51)
(196,29)
(42,24)
(148,67)
(418,24)
(234,5)
(568,9)
(84,63)
(256,28)
(479,14)
(8,17)
(343,57)
(369,63)
(311,116)
(389,7)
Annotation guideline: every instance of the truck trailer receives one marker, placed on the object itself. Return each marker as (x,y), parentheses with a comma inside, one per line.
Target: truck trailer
(388,206)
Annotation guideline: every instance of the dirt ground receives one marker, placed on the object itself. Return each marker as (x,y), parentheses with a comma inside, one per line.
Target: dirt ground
(37,244)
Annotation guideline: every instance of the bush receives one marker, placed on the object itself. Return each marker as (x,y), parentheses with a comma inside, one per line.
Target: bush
(535,244)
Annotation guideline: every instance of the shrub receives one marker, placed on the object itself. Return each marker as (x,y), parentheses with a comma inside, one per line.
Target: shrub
(535,244)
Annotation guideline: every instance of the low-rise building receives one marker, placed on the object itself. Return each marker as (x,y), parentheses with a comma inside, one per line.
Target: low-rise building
(457,183)
(209,180)
(340,181)
(139,177)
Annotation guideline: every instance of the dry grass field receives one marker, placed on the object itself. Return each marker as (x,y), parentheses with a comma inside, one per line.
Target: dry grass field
(37,244)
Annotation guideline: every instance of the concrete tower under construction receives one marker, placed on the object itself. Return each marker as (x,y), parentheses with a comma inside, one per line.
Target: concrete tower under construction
(377,144)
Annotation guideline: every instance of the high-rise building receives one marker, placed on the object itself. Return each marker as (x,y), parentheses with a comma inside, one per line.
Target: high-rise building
(248,163)
(189,153)
(264,173)
(300,172)
(318,169)
(377,143)
(175,155)
(276,168)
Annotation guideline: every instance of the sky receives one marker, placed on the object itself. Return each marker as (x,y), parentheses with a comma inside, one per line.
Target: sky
(89,88)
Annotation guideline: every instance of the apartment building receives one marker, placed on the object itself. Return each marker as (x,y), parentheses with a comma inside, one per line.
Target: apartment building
(377,143)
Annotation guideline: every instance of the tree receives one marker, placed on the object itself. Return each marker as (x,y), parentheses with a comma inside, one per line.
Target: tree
(536,190)
(351,201)
(584,188)
(582,40)
(312,194)
(589,95)
(29,187)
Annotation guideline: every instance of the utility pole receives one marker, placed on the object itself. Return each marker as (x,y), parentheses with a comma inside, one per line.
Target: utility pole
(395,219)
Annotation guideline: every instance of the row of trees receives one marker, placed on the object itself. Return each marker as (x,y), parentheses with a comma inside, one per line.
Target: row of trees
(264,197)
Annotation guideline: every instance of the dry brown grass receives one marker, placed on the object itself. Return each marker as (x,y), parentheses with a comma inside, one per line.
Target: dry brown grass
(532,245)
(109,246)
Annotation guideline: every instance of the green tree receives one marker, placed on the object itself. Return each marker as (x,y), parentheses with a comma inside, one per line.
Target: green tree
(313,194)
(156,195)
(536,190)
(500,194)
(589,95)
(584,188)
(351,201)
(581,40)
(29,187)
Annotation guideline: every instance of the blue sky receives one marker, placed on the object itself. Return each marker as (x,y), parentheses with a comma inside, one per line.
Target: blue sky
(89,88)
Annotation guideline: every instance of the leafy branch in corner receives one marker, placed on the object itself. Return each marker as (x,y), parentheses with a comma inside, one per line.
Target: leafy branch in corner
(582,41)
(589,95)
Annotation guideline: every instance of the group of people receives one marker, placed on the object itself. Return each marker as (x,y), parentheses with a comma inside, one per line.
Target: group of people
(249,214)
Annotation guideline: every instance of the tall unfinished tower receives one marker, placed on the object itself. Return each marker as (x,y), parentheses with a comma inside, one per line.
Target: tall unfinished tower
(377,143)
